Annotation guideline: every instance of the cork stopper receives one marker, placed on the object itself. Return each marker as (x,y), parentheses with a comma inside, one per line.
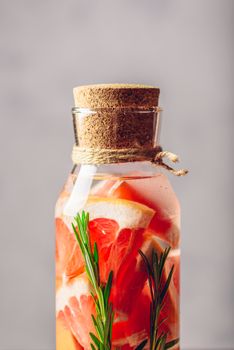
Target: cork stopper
(122,116)
(116,95)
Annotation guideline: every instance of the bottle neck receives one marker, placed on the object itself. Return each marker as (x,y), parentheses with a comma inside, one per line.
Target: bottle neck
(120,170)
(116,142)
(116,128)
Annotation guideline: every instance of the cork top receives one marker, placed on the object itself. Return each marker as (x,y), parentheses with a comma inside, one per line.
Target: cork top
(119,116)
(116,96)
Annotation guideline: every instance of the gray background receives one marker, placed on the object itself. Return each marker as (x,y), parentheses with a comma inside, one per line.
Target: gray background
(47,48)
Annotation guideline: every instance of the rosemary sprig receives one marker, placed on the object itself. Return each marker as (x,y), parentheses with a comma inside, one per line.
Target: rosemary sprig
(101,292)
(158,291)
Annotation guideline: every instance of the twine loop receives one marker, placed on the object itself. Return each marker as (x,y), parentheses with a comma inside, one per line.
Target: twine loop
(155,155)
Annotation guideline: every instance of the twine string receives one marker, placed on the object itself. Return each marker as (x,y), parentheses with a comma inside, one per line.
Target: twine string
(155,155)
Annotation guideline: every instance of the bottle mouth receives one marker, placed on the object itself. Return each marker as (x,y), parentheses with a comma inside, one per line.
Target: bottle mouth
(116,127)
(123,109)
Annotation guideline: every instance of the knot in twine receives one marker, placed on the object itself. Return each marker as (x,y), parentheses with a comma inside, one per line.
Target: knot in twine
(155,155)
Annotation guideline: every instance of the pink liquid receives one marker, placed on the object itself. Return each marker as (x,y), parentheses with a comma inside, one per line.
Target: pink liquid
(150,210)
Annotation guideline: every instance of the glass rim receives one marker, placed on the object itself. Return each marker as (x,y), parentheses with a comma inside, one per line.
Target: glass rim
(76,110)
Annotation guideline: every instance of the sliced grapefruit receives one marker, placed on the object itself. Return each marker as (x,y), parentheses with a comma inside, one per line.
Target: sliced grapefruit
(103,232)
(117,226)
(174,259)
(74,301)
(127,214)
(64,337)
(130,331)
(69,260)
(155,192)
(132,298)
(107,218)
(120,227)
(169,314)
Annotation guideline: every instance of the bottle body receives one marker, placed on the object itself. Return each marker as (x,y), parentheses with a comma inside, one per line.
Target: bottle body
(132,214)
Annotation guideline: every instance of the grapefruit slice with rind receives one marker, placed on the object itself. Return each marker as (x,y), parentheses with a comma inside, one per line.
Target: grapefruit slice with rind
(69,260)
(118,227)
(127,214)
(75,303)
(107,218)
(155,192)
(64,337)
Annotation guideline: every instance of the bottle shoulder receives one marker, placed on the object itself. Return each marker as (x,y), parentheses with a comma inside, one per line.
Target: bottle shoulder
(118,171)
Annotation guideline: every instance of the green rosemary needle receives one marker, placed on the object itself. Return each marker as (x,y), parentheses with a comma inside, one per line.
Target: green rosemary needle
(103,320)
(158,291)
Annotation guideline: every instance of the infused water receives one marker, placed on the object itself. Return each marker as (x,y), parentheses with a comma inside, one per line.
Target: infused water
(127,214)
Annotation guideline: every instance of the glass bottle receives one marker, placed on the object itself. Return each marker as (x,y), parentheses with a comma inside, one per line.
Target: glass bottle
(134,217)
